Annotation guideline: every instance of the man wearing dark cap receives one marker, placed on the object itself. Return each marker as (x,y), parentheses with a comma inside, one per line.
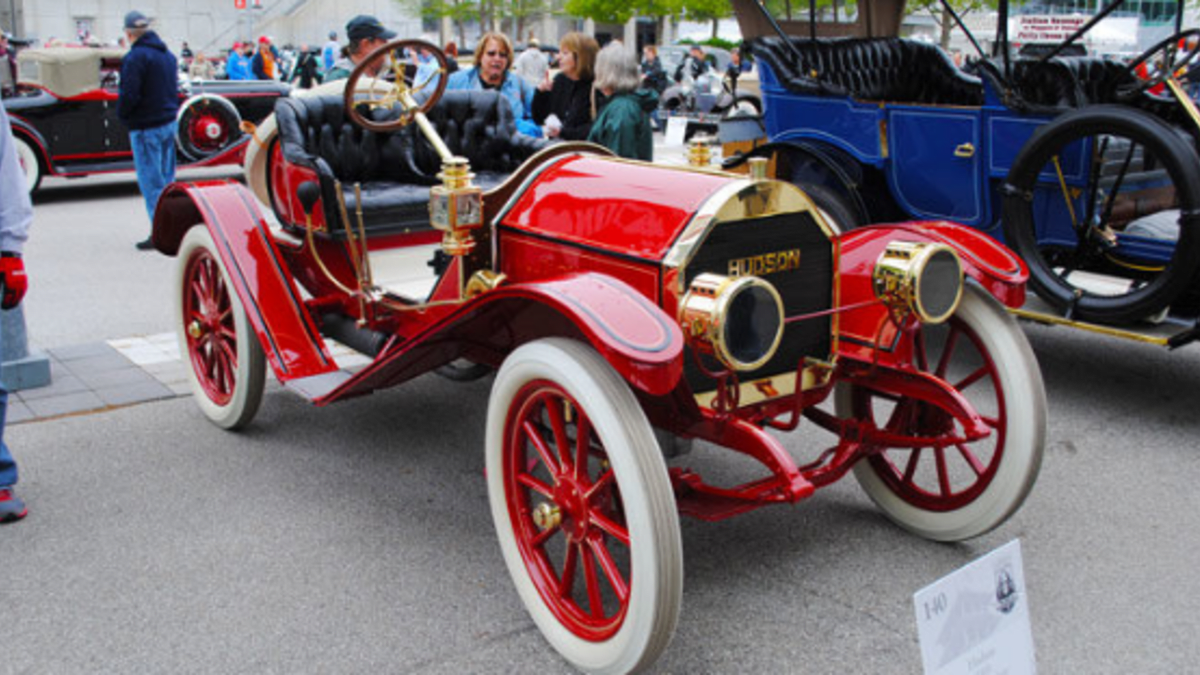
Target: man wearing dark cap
(366,34)
(147,104)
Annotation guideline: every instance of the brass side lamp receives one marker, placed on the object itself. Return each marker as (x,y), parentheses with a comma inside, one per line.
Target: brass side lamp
(456,206)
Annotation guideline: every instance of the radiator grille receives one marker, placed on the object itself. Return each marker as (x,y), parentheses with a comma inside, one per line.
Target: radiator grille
(804,290)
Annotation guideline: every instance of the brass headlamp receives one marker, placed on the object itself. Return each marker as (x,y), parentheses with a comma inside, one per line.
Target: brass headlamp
(919,278)
(738,320)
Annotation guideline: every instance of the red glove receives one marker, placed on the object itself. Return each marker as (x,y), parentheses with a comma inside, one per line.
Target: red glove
(12,275)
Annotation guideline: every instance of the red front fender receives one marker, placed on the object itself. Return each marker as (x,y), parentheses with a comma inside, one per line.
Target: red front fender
(992,264)
(633,334)
(866,328)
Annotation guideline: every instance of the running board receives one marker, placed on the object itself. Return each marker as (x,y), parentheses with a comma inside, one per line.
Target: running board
(316,386)
(1170,334)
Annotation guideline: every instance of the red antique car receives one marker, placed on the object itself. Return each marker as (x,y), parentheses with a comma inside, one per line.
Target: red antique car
(628,308)
(64,115)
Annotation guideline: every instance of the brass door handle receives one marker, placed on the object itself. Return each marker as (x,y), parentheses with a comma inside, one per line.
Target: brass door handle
(965,150)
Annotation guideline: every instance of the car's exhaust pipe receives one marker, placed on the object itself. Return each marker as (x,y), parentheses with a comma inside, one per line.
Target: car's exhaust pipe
(345,330)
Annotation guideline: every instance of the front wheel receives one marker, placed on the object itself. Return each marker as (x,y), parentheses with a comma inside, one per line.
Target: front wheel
(228,369)
(583,507)
(948,490)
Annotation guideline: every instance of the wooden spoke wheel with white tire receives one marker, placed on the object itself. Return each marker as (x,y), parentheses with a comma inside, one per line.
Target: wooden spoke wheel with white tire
(583,507)
(28,159)
(227,369)
(946,489)
(399,89)
(1162,61)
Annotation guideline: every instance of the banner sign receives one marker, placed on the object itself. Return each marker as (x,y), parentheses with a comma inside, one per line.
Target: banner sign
(1046,28)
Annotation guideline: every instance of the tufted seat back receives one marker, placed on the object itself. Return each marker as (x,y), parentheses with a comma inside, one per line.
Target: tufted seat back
(876,69)
(395,169)
(1068,81)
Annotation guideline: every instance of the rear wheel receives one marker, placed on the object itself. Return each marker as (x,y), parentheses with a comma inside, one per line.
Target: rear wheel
(945,489)
(28,160)
(1103,204)
(228,369)
(583,507)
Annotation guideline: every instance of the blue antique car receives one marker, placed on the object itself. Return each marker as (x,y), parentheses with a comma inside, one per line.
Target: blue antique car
(1086,166)
(64,115)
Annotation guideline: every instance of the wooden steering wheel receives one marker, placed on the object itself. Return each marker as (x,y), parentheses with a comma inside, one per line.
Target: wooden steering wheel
(386,88)
(1161,61)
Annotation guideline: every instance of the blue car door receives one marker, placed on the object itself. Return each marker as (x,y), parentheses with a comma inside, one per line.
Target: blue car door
(935,162)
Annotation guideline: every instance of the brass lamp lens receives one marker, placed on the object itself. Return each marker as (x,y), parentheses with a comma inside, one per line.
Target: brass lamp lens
(754,325)
(939,286)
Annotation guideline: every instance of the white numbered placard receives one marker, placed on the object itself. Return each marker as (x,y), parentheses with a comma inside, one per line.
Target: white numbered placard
(676,131)
(975,621)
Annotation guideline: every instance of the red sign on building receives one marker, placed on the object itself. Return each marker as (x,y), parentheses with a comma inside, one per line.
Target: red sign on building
(239,4)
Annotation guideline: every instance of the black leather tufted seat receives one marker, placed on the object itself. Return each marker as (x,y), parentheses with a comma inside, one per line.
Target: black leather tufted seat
(876,69)
(396,169)
(1069,81)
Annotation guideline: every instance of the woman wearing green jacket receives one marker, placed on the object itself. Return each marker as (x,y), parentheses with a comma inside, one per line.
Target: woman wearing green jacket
(623,126)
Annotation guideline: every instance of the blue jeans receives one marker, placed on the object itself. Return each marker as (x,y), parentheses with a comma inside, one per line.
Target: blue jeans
(8,465)
(154,159)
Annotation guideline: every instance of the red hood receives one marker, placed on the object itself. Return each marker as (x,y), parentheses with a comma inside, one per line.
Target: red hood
(623,207)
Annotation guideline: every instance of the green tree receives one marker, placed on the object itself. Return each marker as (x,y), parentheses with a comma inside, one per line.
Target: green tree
(827,10)
(604,11)
(946,22)
(707,10)
(520,12)
(460,13)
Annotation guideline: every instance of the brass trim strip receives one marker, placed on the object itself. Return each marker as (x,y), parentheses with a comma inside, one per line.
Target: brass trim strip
(1090,327)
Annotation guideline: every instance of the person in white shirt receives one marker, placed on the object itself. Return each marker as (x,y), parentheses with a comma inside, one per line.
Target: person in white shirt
(532,64)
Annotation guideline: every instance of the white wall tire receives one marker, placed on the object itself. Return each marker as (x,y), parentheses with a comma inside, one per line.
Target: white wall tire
(28,159)
(533,386)
(227,368)
(971,489)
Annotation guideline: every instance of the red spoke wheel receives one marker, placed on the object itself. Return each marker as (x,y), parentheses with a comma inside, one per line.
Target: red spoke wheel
(583,507)
(228,369)
(207,125)
(947,489)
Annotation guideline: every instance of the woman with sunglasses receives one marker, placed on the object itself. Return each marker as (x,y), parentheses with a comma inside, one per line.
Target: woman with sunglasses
(493,57)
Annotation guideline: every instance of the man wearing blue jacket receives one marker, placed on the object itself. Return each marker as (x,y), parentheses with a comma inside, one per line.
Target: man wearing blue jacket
(148,104)
(237,67)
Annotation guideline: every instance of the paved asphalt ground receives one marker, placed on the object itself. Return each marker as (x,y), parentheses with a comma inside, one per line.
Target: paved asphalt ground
(357,538)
